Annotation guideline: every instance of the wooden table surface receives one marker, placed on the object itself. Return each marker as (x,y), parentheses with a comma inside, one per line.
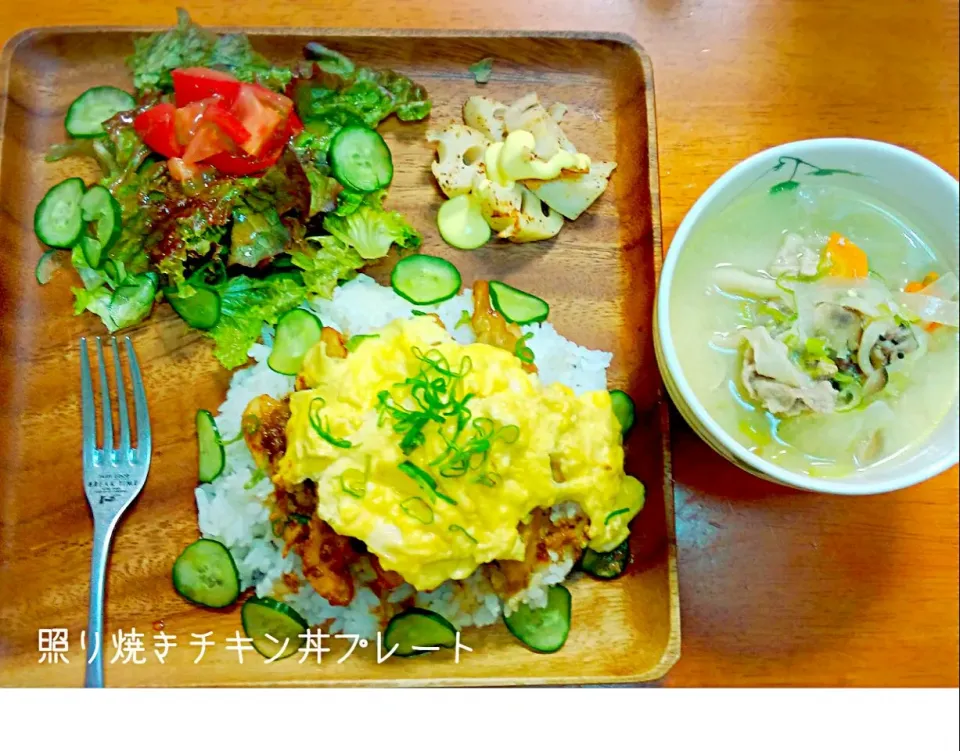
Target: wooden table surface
(777,587)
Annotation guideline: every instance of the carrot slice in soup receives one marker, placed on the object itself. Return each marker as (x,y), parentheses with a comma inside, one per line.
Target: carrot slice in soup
(844,258)
(913,287)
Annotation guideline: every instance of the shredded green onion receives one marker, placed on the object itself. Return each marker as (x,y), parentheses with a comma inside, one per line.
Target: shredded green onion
(789,278)
(851,391)
(522,351)
(445,498)
(416,474)
(465,319)
(612,514)
(775,313)
(458,528)
(354,482)
(816,346)
(300,518)
(824,264)
(425,481)
(436,393)
(417,508)
(434,390)
(489,479)
(323,429)
(843,378)
(250,424)
(255,478)
(792,341)
(227,441)
(906,317)
(355,341)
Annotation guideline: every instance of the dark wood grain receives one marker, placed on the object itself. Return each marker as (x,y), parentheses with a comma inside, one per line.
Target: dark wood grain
(599,276)
(778,588)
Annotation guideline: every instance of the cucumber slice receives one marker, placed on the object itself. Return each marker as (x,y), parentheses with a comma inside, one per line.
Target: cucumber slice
(417,627)
(608,565)
(115,271)
(282,262)
(545,629)
(212,457)
(86,115)
(297,331)
(103,221)
(273,626)
(206,574)
(48,264)
(360,159)
(425,280)
(201,310)
(516,305)
(91,278)
(92,251)
(461,223)
(133,300)
(58,220)
(294,275)
(623,408)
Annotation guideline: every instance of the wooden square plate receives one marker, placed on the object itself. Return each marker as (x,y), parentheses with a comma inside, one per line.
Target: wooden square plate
(599,276)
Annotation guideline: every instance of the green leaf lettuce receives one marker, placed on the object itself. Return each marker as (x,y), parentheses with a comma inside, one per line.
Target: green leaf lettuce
(324,262)
(246,304)
(371,230)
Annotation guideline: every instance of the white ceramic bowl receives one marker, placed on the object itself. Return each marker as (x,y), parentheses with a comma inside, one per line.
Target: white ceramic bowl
(925,194)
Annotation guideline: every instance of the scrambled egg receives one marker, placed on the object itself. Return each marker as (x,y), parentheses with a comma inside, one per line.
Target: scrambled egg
(436,512)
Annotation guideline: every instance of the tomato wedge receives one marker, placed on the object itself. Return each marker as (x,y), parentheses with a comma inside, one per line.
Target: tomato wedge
(227,122)
(239,128)
(241,163)
(188,118)
(260,120)
(279,102)
(207,141)
(294,125)
(156,127)
(193,84)
(182,171)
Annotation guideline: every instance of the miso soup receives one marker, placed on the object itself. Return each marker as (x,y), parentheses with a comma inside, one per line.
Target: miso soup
(817,327)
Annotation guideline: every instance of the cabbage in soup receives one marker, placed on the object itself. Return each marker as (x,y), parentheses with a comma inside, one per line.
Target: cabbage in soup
(817,328)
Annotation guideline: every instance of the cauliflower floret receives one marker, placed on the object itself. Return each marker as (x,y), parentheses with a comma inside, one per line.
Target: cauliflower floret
(486,115)
(459,158)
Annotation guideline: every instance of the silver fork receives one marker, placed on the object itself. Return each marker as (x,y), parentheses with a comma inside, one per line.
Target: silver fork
(112,477)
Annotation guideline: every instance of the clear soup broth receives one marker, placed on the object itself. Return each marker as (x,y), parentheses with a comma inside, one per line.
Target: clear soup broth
(817,327)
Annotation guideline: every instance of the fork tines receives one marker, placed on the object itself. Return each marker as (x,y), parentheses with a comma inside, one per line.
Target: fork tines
(108,453)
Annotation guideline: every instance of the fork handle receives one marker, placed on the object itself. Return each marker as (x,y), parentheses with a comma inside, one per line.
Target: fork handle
(102,536)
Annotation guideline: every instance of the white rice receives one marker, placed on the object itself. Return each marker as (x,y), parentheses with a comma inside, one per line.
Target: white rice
(236,512)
